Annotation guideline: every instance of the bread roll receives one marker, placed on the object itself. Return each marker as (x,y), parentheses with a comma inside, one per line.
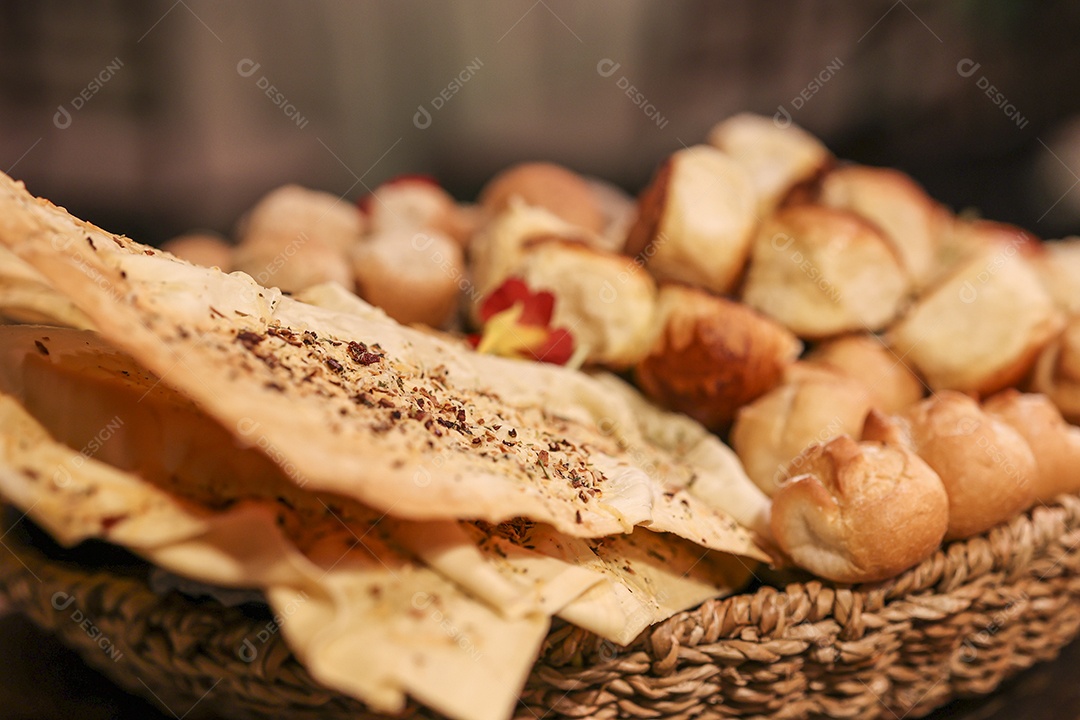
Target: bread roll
(897,205)
(1059,268)
(987,467)
(695,220)
(202,248)
(824,272)
(605,300)
(1055,443)
(776,157)
(415,276)
(859,512)
(497,248)
(1057,371)
(963,238)
(866,358)
(294,238)
(711,356)
(562,192)
(980,329)
(293,263)
(775,428)
(412,203)
(292,214)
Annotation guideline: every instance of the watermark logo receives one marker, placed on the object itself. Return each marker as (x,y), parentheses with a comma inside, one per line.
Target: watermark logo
(61,601)
(967,68)
(248,649)
(782,118)
(422,119)
(63,117)
(247,68)
(607,68)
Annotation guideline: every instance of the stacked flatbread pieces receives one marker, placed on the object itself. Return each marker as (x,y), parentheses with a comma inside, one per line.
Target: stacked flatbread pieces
(419,510)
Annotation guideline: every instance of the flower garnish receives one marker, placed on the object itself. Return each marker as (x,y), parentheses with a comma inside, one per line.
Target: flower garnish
(517,323)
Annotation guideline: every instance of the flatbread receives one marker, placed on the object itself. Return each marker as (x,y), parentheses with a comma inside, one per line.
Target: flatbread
(26,296)
(362,617)
(399,420)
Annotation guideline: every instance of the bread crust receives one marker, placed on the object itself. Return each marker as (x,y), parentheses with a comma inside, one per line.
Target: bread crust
(866,358)
(1057,371)
(859,512)
(987,467)
(824,272)
(696,220)
(1055,443)
(710,356)
(771,431)
(980,328)
(553,187)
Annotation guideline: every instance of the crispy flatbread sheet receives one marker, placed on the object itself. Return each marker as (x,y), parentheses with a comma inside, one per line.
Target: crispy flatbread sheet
(90,396)
(404,422)
(27,297)
(644,577)
(359,613)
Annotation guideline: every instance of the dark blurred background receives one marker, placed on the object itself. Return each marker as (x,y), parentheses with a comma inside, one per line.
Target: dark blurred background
(151,118)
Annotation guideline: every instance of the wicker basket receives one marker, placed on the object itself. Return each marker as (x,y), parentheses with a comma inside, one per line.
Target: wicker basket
(957,625)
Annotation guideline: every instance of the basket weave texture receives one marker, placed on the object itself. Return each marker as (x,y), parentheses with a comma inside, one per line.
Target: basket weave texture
(957,625)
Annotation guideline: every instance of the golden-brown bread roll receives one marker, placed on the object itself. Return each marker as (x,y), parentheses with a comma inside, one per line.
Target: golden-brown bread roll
(696,220)
(710,356)
(605,300)
(293,263)
(897,205)
(1055,443)
(771,431)
(1057,371)
(866,358)
(824,272)
(562,192)
(1059,268)
(963,238)
(859,512)
(415,276)
(987,467)
(414,203)
(295,238)
(980,328)
(202,248)
(776,157)
(293,214)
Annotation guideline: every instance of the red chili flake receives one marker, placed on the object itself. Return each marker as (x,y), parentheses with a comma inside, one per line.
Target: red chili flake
(512,432)
(396,414)
(334,365)
(496,427)
(542,457)
(461,415)
(577,516)
(359,353)
(386,402)
(249,339)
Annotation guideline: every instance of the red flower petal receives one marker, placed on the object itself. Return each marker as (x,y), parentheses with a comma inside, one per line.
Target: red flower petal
(537,307)
(557,349)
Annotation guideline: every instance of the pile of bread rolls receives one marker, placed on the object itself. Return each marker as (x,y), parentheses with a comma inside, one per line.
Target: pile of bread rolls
(891,374)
